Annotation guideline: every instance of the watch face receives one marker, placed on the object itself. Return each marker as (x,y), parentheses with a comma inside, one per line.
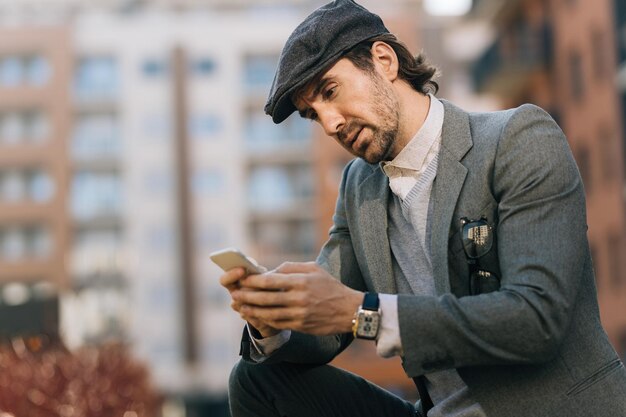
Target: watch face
(368,323)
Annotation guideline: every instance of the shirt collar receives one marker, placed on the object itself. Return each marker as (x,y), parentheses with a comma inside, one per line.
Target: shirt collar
(413,155)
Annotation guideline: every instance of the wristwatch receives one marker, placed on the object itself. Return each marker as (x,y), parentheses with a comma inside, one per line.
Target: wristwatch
(366,321)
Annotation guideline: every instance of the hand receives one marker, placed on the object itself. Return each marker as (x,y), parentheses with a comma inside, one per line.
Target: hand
(231,281)
(298,296)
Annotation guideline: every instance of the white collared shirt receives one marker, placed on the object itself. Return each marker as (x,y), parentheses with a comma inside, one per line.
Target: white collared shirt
(405,169)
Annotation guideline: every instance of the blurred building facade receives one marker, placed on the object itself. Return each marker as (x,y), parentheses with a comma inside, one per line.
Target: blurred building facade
(565,56)
(134,145)
(186,166)
(34,222)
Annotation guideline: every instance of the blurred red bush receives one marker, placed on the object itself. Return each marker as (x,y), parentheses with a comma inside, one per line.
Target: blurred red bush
(40,377)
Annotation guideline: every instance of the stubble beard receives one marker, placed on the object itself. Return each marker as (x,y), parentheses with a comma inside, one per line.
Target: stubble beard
(383,137)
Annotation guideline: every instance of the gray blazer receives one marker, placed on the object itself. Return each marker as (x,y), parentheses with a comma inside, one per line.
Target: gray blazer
(533,347)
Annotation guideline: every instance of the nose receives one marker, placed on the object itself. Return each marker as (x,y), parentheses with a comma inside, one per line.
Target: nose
(331,120)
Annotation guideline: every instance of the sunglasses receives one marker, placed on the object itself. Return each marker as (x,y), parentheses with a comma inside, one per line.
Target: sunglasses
(478,239)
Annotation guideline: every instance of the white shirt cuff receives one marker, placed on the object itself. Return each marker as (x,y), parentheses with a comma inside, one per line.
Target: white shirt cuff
(263,348)
(388,342)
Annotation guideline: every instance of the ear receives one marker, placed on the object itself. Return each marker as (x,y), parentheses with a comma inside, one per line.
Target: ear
(385,59)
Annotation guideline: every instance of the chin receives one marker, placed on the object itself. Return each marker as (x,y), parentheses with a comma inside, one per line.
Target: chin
(372,159)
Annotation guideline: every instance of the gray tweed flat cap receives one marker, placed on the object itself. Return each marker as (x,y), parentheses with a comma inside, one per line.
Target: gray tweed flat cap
(320,40)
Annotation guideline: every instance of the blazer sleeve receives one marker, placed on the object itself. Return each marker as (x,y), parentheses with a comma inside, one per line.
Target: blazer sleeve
(337,257)
(543,254)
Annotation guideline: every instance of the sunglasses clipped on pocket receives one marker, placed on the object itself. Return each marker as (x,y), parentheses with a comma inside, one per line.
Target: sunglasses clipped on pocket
(480,253)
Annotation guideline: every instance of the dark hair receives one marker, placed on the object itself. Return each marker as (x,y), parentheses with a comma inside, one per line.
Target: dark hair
(413,69)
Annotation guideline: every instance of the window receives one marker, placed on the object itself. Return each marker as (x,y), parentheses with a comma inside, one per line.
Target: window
(154,68)
(39,242)
(20,127)
(13,244)
(40,186)
(279,187)
(269,189)
(110,238)
(577,86)
(208,183)
(37,70)
(203,66)
(263,134)
(292,237)
(12,129)
(11,71)
(14,187)
(97,252)
(96,194)
(96,135)
(203,126)
(19,185)
(96,78)
(18,243)
(260,131)
(36,126)
(302,181)
(18,70)
(259,72)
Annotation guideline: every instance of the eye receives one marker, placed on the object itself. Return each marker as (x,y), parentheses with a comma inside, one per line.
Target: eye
(329,92)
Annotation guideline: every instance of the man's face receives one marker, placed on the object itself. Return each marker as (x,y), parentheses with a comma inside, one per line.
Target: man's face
(357,108)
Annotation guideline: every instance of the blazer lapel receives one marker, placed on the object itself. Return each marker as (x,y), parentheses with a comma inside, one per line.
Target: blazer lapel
(372,196)
(455,143)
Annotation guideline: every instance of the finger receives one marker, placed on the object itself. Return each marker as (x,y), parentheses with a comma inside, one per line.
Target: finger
(269,281)
(296,267)
(234,304)
(272,315)
(269,298)
(232,277)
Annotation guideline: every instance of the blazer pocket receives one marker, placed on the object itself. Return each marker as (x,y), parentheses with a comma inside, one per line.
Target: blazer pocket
(597,376)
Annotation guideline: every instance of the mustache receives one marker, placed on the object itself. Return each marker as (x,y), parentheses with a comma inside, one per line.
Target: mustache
(346,135)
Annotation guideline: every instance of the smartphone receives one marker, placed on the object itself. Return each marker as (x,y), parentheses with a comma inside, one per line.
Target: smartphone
(230,258)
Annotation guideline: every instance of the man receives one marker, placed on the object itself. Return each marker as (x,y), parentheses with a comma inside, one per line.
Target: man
(459,243)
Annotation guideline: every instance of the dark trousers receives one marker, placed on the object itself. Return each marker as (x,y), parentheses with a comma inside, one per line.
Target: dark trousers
(288,390)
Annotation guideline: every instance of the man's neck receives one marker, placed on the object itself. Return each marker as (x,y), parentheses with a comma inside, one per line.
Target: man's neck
(414,107)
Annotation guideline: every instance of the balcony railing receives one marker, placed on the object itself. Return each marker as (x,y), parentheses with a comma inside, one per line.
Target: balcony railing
(510,59)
